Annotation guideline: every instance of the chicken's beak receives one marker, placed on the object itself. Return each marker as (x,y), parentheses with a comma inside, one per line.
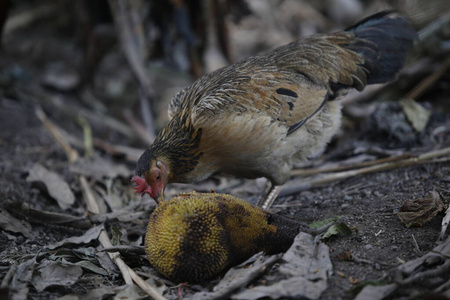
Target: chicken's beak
(160,198)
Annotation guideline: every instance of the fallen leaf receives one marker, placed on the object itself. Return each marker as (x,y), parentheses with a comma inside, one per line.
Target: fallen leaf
(103,292)
(372,292)
(238,277)
(81,256)
(337,229)
(411,272)
(10,223)
(321,223)
(105,261)
(419,211)
(23,274)
(89,236)
(21,279)
(57,188)
(25,211)
(98,168)
(84,257)
(436,260)
(56,274)
(91,267)
(416,114)
(95,294)
(444,224)
(307,263)
(134,292)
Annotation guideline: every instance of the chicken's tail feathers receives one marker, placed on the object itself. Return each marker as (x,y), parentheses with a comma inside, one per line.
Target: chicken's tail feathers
(384,40)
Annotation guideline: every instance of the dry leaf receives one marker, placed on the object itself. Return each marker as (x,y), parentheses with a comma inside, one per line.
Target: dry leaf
(57,188)
(307,264)
(417,212)
(98,168)
(56,274)
(133,292)
(10,223)
(94,294)
(23,275)
(90,235)
(238,277)
(416,114)
(371,292)
(444,225)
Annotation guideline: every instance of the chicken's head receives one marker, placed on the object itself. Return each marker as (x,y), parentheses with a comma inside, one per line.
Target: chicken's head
(152,181)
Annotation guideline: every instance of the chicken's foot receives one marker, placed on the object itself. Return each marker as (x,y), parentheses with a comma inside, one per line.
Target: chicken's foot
(269,195)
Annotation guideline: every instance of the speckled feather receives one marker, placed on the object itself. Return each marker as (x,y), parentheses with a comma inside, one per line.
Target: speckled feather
(259,116)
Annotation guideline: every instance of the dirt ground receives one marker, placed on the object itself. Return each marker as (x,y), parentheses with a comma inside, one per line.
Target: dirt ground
(368,203)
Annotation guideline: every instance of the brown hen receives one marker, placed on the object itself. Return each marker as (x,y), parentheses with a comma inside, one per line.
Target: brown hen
(259,116)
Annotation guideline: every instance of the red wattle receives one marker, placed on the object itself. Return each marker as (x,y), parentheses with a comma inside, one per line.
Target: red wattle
(142,187)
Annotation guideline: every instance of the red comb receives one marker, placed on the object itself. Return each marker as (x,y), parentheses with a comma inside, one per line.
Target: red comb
(142,187)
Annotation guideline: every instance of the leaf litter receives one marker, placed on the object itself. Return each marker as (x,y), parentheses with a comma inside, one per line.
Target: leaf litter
(57,188)
(10,223)
(417,212)
(55,247)
(306,265)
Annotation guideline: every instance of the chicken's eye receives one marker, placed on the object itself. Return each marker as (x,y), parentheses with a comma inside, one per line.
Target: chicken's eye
(157,177)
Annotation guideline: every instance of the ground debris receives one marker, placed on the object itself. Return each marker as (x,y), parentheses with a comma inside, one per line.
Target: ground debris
(10,223)
(428,271)
(43,64)
(307,265)
(23,275)
(55,274)
(416,114)
(238,277)
(417,212)
(99,168)
(89,236)
(57,188)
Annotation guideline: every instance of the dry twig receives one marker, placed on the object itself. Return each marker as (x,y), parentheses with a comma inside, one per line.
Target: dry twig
(54,131)
(308,172)
(428,157)
(415,244)
(433,273)
(128,274)
(426,83)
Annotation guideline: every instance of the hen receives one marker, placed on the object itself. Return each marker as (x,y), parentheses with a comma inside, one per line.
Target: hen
(259,116)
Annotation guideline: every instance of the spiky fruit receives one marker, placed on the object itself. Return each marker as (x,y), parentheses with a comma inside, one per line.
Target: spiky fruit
(196,236)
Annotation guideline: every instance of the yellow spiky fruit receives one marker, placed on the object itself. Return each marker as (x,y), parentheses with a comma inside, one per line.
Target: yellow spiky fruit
(196,236)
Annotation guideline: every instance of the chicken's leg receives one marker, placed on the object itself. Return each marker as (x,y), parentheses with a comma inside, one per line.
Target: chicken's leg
(269,195)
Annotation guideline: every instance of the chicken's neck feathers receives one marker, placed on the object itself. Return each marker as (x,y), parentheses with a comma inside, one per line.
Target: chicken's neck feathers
(178,145)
